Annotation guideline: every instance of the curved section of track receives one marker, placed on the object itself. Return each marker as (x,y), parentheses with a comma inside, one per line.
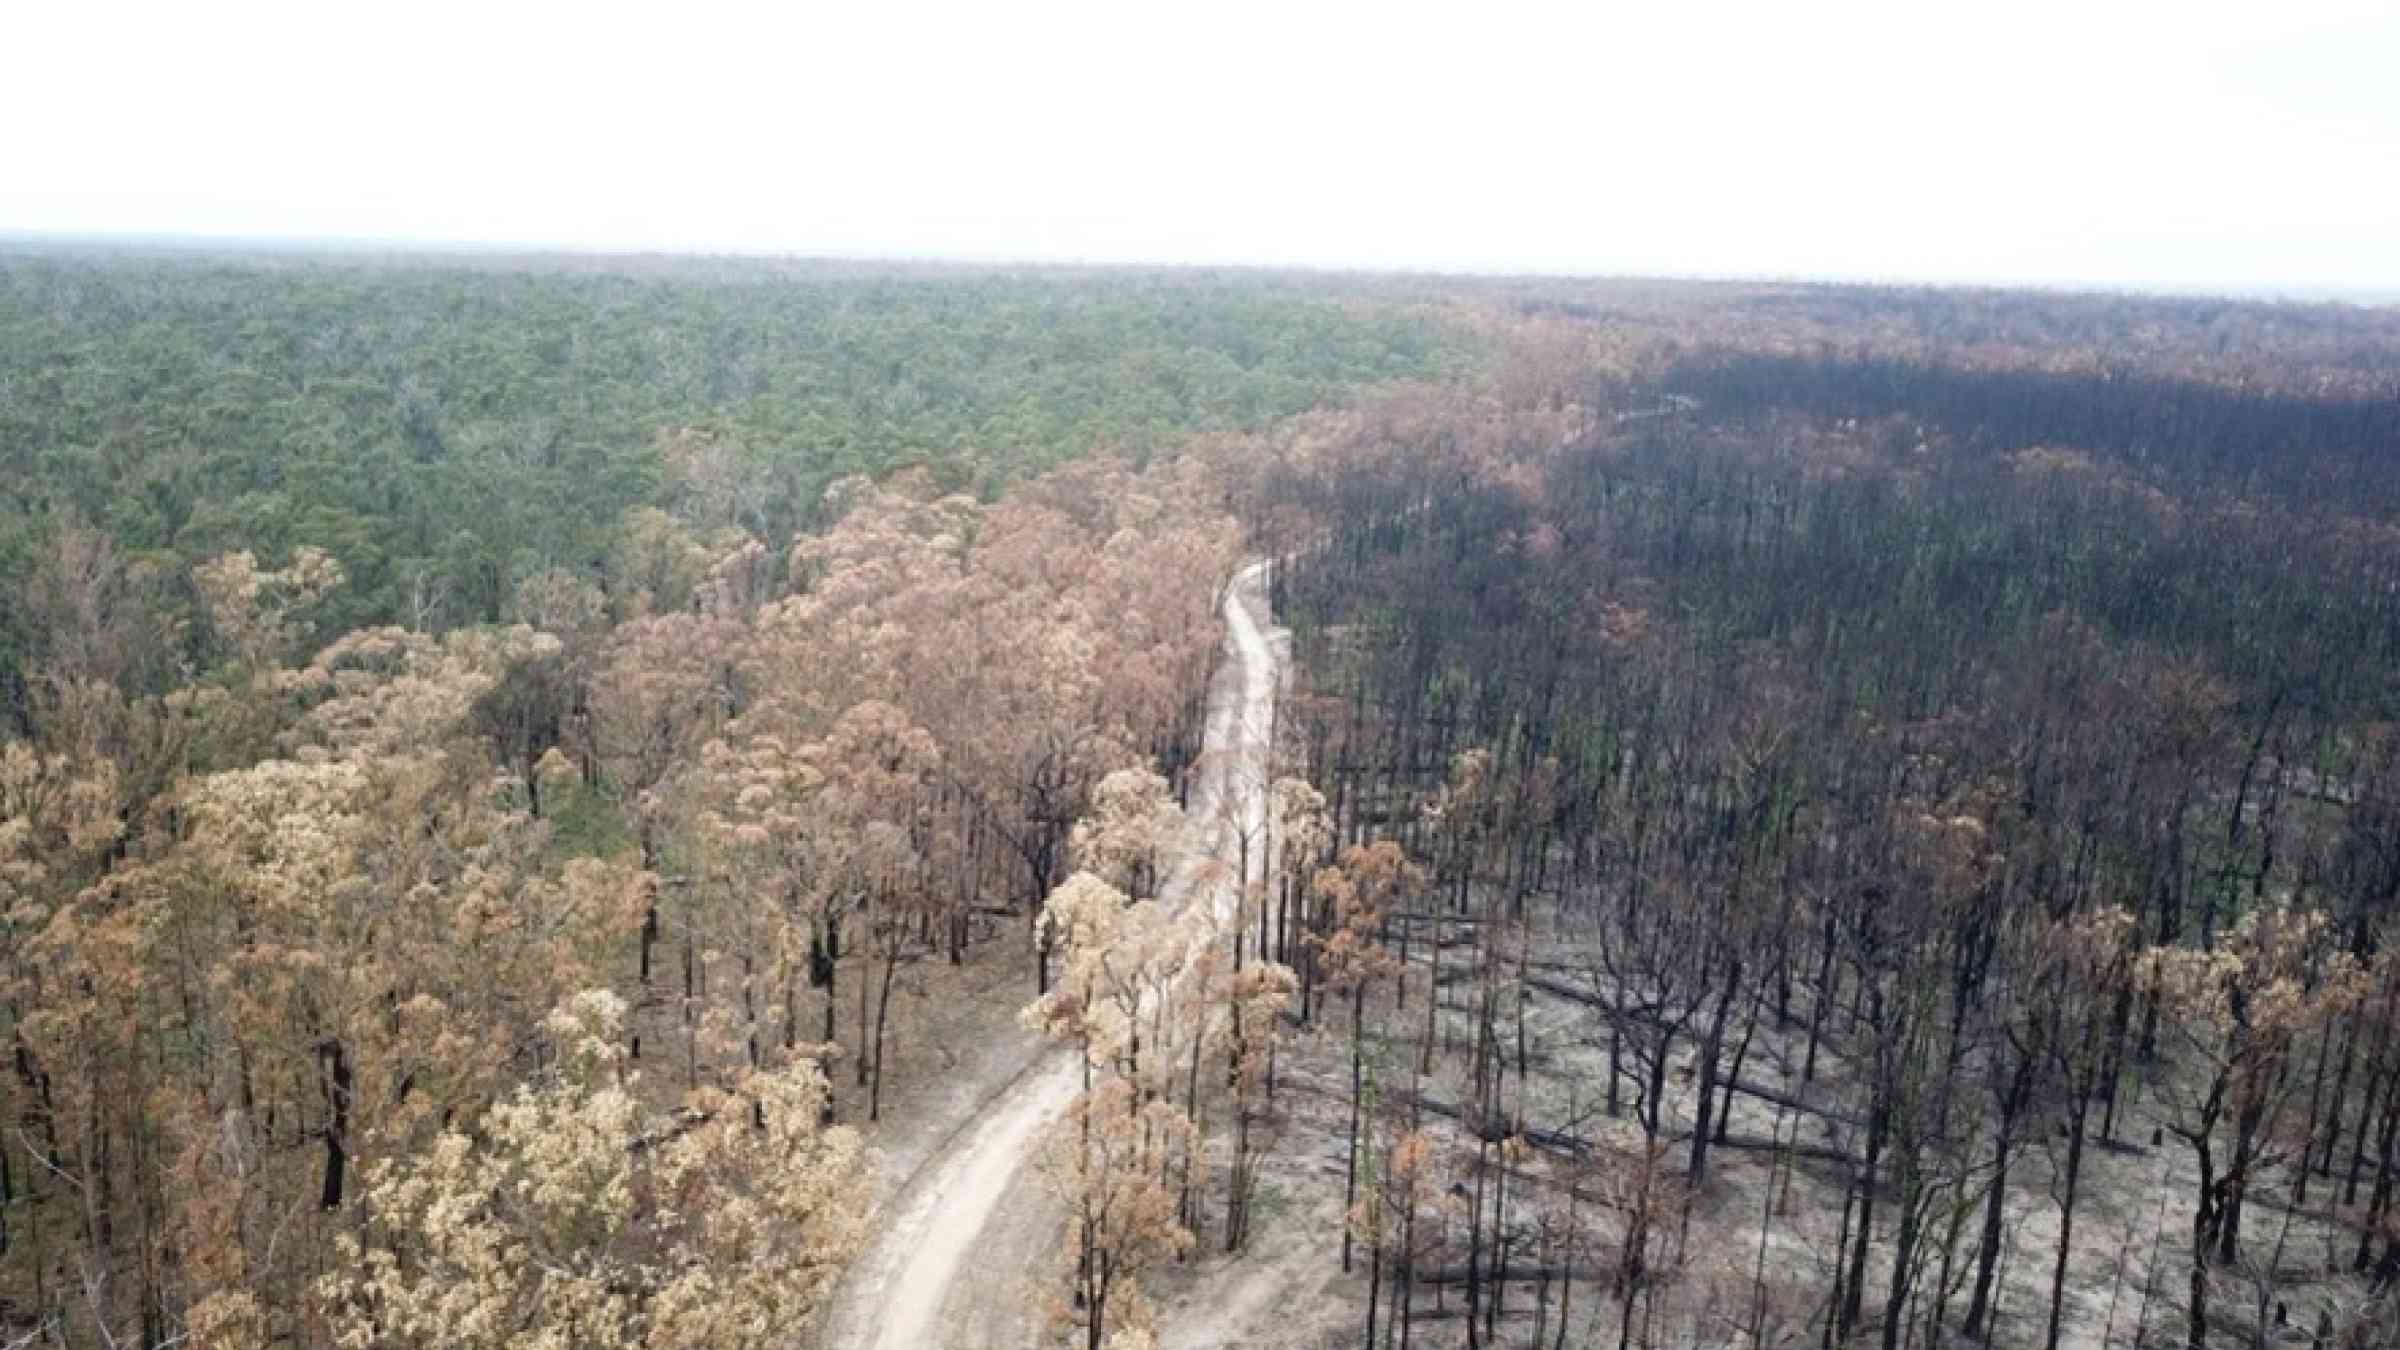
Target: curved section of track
(931,1280)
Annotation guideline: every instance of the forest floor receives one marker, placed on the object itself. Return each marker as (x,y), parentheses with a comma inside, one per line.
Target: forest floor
(964,1233)
(1752,1263)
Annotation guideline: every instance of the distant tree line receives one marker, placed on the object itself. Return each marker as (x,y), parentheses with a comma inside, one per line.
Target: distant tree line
(2184,434)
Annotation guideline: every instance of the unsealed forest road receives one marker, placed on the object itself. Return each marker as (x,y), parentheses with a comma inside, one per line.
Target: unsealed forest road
(944,1272)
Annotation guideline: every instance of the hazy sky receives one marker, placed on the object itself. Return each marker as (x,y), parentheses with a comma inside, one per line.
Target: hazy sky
(2223,143)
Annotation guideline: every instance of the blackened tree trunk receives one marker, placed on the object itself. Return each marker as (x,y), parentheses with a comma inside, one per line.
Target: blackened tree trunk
(1987,1256)
(1712,1046)
(336,1062)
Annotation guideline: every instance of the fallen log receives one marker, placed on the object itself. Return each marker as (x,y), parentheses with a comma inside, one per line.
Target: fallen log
(1756,1144)
(1510,1274)
(1493,1132)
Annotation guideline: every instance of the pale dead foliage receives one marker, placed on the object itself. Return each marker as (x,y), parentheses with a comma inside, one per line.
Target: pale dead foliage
(571,1214)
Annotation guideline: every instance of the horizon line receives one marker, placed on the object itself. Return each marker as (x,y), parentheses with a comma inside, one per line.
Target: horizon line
(338,246)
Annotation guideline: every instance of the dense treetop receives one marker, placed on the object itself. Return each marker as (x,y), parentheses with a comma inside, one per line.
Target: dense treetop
(449,429)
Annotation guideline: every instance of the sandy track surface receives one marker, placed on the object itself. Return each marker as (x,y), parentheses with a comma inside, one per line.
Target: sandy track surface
(949,1268)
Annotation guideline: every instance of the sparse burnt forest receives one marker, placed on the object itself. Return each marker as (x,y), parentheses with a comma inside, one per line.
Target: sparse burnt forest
(1909,846)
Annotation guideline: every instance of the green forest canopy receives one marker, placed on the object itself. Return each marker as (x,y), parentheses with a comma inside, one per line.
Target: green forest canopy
(471,421)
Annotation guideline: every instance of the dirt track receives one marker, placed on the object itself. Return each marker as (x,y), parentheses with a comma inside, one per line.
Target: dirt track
(948,1268)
